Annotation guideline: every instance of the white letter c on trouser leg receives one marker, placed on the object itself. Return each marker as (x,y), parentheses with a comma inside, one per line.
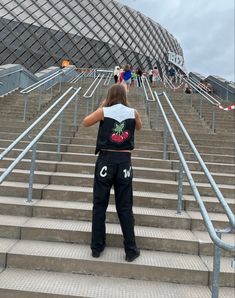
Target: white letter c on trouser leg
(103,171)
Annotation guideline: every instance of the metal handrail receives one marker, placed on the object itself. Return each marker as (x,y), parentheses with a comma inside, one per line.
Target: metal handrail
(104,70)
(200,90)
(20,137)
(149,88)
(196,81)
(81,75)
(38,84)
(211,180)
(75,79)
(99,79)
(215,235)
(33,143)
(42,82)
(10,73)
(108,79)
(170,84)
(217,83)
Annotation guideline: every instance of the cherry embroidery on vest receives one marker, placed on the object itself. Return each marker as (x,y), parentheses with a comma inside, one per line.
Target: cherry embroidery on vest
(119,135)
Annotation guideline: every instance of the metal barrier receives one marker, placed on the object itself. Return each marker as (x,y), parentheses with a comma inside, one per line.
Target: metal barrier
(169,83)
(98,79)
(8,86)
(215,235)
(225,90)
(108,79)
(39,84)
(196,85)
(82,75)
(15,76)
(144,80)
(207,98)
(33,144)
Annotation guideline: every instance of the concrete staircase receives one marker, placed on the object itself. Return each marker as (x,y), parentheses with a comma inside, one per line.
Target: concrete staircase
(44,246)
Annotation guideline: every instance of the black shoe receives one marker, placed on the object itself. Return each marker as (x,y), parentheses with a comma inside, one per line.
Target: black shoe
(133,257)
(95,254)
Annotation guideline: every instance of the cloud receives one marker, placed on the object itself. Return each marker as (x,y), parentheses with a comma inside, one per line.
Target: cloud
(204,29)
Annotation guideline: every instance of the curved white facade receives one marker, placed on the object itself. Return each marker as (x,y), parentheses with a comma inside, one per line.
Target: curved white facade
(97,33)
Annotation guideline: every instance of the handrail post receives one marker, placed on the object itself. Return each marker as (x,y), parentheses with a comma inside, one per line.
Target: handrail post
(75,110)
(148,113)
(191,100)
(216,269)
(180,188)
(165,145)
(157,115)
(60,78)
(213,120)
(87,106)
(40,100)
(94,97)
(31,174)
(60,132)
(200,108)
(51,92)
(25,106)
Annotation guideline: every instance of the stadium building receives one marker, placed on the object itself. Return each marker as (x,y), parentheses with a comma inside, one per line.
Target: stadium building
(97,33)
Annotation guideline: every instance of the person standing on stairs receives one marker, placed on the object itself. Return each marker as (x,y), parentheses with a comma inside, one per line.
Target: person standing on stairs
(115,140)
(127,77)
(116,74)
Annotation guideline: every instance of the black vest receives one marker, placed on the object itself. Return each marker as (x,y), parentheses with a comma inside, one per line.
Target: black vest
(116,131)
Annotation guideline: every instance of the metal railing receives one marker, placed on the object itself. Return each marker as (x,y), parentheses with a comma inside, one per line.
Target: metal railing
(38,85)
(82,75)
(148,89)
(95,92)
(205,98)
(219,91)
(108,79)
(215,235)
(168,82)
(93,85)
(8,86)
(203,90)
(198,83)
(149,97)
(33,144)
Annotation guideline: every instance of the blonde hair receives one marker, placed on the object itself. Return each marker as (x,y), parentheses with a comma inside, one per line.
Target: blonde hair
(116,94)
(127,67)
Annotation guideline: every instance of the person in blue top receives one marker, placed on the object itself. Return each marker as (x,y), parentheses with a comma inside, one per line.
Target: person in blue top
(171,73)
(115,140)
(127,76)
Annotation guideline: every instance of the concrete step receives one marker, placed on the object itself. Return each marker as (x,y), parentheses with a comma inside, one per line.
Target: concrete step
(29,283)
(156,146)
(160,184)
(140,152)
(163,172)
(84,194)
(75,231)
(47,225)
(151,265)
(89,159)
(144,216)
(46,138)
(142,184)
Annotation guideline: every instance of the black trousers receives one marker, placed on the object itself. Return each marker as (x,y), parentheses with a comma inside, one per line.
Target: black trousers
(113,169)
(139,80)
(115,79)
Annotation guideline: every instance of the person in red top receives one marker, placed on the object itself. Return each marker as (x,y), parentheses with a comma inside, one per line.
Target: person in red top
(155,76)
(115,141)
(120,79)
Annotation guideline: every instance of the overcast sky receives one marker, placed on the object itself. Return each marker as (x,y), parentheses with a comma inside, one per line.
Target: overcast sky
(203,28)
